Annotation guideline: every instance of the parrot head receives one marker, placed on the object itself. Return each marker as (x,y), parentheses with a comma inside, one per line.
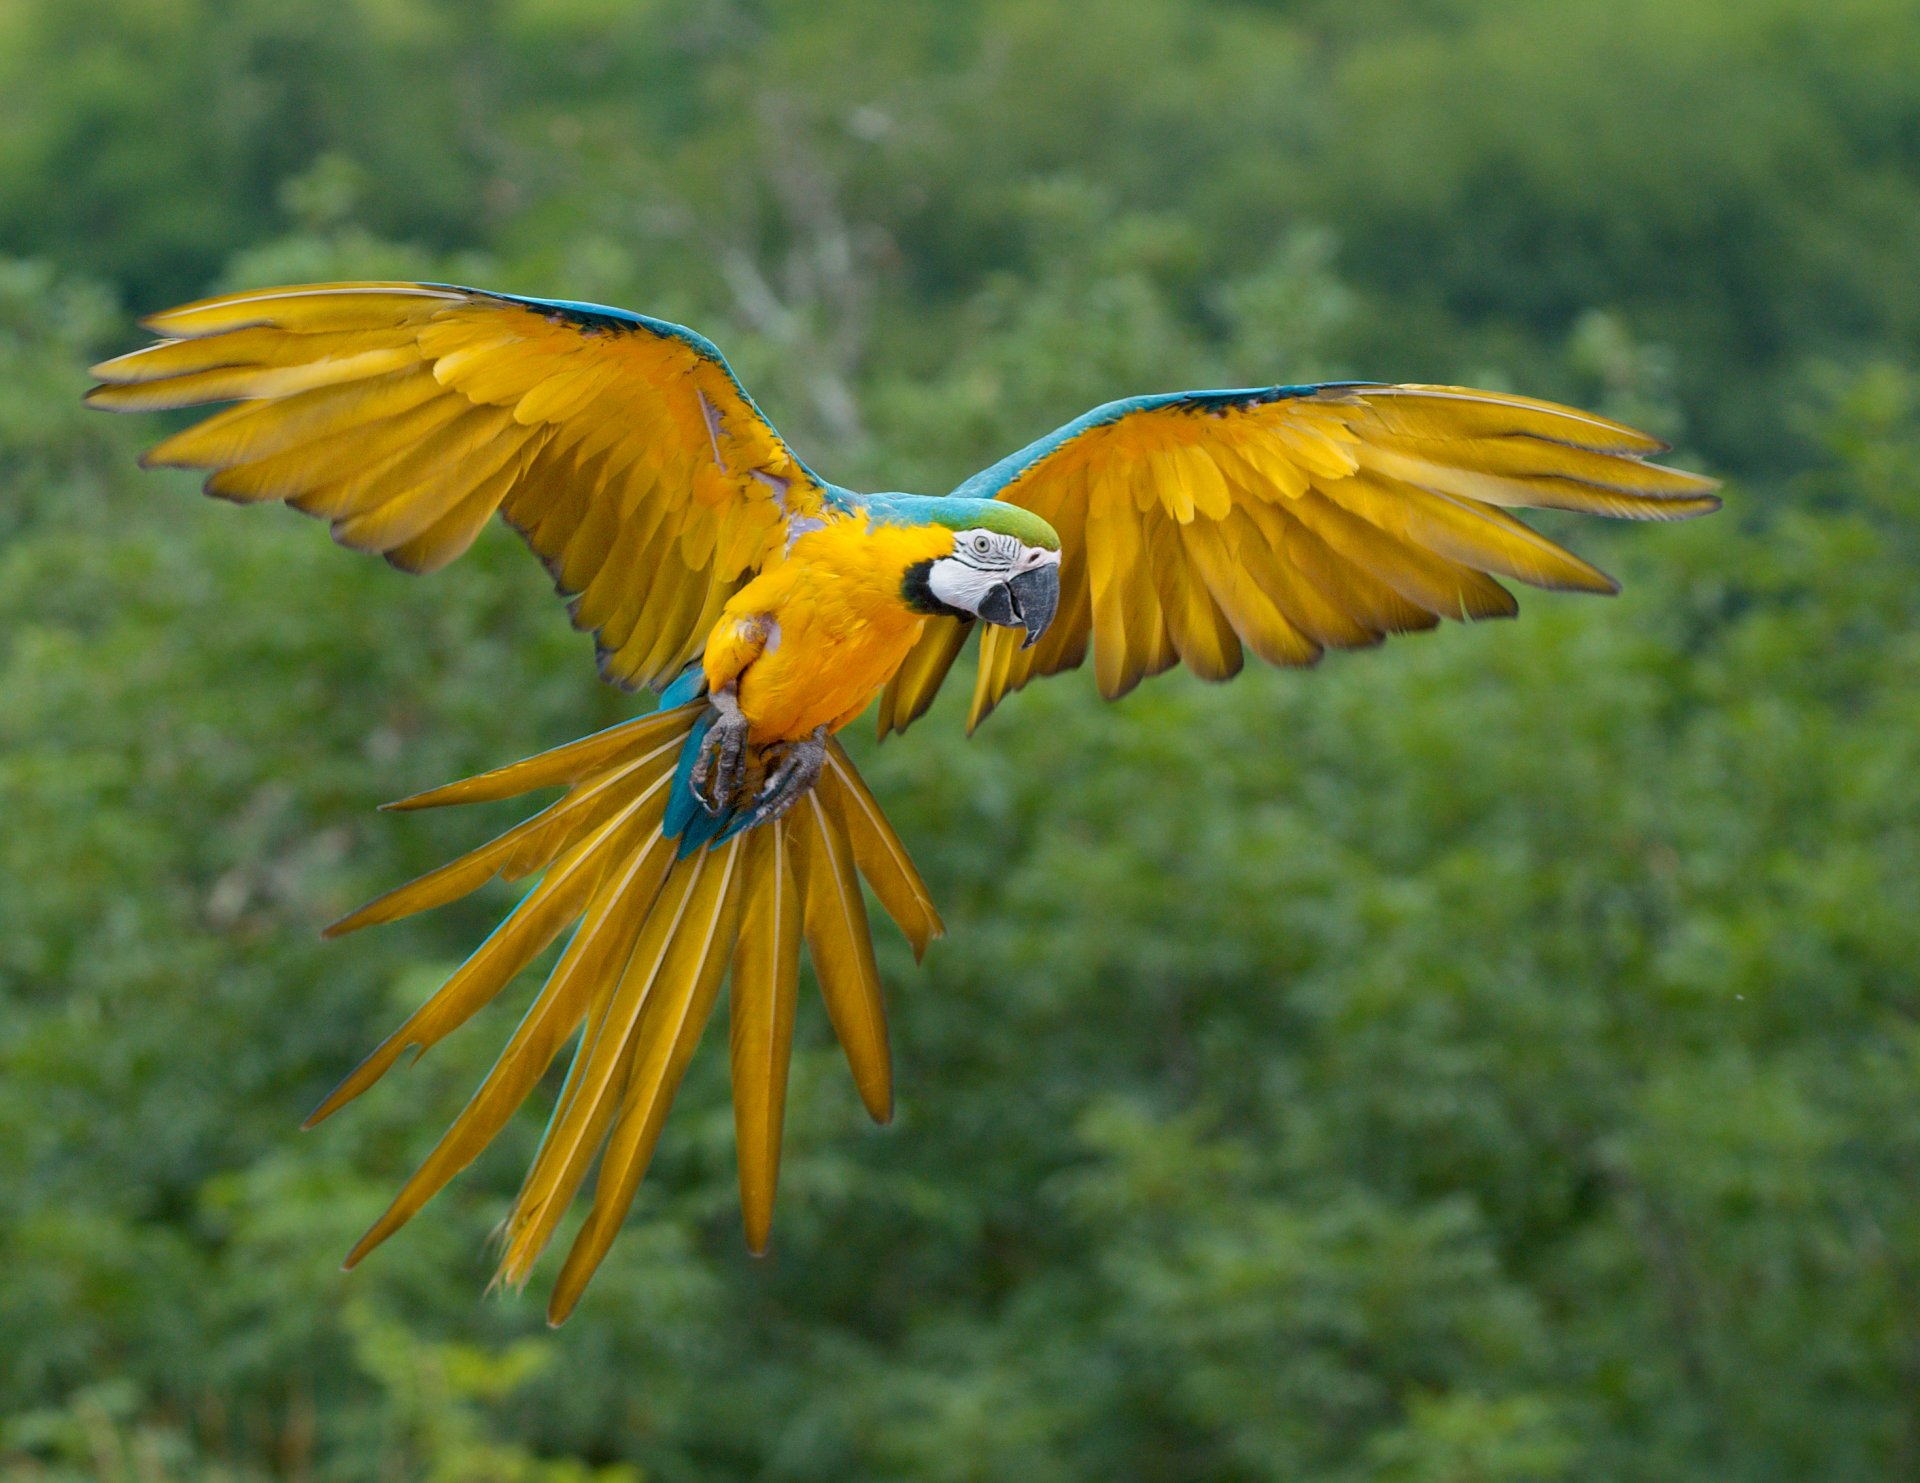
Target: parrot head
(1004,567)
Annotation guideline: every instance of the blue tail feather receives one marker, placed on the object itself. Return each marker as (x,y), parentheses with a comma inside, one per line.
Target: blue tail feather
(702,829)
(737,820)
(686,817)
(683,807)
(689,684)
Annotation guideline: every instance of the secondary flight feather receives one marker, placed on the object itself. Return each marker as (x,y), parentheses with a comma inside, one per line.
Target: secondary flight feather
(701,844)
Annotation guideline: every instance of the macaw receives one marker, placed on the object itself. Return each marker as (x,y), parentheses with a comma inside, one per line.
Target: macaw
(769,607)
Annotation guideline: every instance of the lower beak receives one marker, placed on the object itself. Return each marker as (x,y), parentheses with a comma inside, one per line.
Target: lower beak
(1036,594)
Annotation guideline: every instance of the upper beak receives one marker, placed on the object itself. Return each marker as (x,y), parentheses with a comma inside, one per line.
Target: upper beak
(1035,595)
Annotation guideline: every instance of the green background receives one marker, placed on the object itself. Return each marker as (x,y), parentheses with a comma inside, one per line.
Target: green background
(1495,1059)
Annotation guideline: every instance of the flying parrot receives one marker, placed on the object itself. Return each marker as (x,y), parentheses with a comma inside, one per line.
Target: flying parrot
(703,841)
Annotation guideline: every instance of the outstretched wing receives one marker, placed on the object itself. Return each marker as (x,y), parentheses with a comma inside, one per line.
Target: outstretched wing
(405,414)
(1292,519)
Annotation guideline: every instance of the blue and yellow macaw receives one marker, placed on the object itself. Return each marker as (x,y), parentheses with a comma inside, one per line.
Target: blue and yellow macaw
(771,607)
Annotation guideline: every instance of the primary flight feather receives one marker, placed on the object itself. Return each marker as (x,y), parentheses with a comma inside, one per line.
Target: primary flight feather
(703,842)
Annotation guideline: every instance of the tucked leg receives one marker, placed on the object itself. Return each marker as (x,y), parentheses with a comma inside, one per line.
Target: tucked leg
(721,767)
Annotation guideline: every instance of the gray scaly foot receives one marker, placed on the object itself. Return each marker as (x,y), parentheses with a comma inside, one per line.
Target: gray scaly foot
(721,767)
(798,770)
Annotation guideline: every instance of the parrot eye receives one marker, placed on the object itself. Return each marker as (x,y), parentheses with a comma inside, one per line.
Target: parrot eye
(982,545)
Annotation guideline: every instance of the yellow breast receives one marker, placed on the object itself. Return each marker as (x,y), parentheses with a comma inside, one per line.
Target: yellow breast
(839,627)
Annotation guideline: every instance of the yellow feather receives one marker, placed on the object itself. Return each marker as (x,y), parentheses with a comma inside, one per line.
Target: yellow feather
(766,977)
(1477,536)
(842,951)
(231,383)
(1145,617)
(1116,575)
(1355,519)
(574,561)
(484,326)
(526,932)
(1234,581)
(675,1013)
(1206,488)
(1463,528)
(523,849)
(242,348)
(877,851)
(255,430)
(1551,492)
(445,540)
(1159,483)
(345,486)
(521,1236)
(701,531)
(608,1048)
(998,647)
(1525,459)
(608,927)
(1376,604)
(1259,465)
(1195,625)
(917,681)
(546,508)
(1354,608)
(437,476)
(566,393)
(494,374)
(1013,667)
(629,564)
(747,539)
(561,766)
(309,308)
(588,803)
(353,457)
(1285,558)
(693,641)
(1312,448)
(1459,412)
(646,556)
(661,658)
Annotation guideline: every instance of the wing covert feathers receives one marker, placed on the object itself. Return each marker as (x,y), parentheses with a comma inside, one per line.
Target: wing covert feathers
(406,415)
(1293,520)
(653,939)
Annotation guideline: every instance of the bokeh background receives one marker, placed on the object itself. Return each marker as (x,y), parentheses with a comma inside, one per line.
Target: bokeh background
(1494,1059)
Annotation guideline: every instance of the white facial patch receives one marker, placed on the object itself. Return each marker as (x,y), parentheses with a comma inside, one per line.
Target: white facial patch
(981,561)
(961,586)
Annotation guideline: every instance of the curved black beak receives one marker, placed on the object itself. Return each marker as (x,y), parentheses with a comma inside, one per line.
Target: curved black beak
(1025,600)
(1035,596)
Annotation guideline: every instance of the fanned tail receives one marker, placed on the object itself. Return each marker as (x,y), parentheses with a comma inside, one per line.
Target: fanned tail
(656,936)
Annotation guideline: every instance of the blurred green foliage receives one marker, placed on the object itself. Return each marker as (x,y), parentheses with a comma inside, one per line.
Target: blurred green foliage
(1494,1060)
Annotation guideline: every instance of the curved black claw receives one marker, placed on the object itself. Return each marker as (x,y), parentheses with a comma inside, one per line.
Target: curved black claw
(721,768)
(798,770)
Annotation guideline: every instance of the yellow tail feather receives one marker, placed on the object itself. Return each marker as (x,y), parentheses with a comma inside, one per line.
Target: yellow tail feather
(765,984)
(655,939)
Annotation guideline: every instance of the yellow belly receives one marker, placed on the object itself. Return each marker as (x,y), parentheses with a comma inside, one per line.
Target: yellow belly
(837,626)
(822,674)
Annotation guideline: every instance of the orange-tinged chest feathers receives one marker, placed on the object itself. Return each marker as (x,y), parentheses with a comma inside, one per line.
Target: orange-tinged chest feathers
(830,624)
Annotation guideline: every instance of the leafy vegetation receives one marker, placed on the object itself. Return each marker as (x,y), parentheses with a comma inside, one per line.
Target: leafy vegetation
(1491,1060)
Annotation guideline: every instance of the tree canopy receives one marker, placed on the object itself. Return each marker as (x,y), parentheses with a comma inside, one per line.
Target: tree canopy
(1495,1059)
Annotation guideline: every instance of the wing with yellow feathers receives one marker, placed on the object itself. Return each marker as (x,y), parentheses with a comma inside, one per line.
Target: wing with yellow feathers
(1292,520)
(405,414)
